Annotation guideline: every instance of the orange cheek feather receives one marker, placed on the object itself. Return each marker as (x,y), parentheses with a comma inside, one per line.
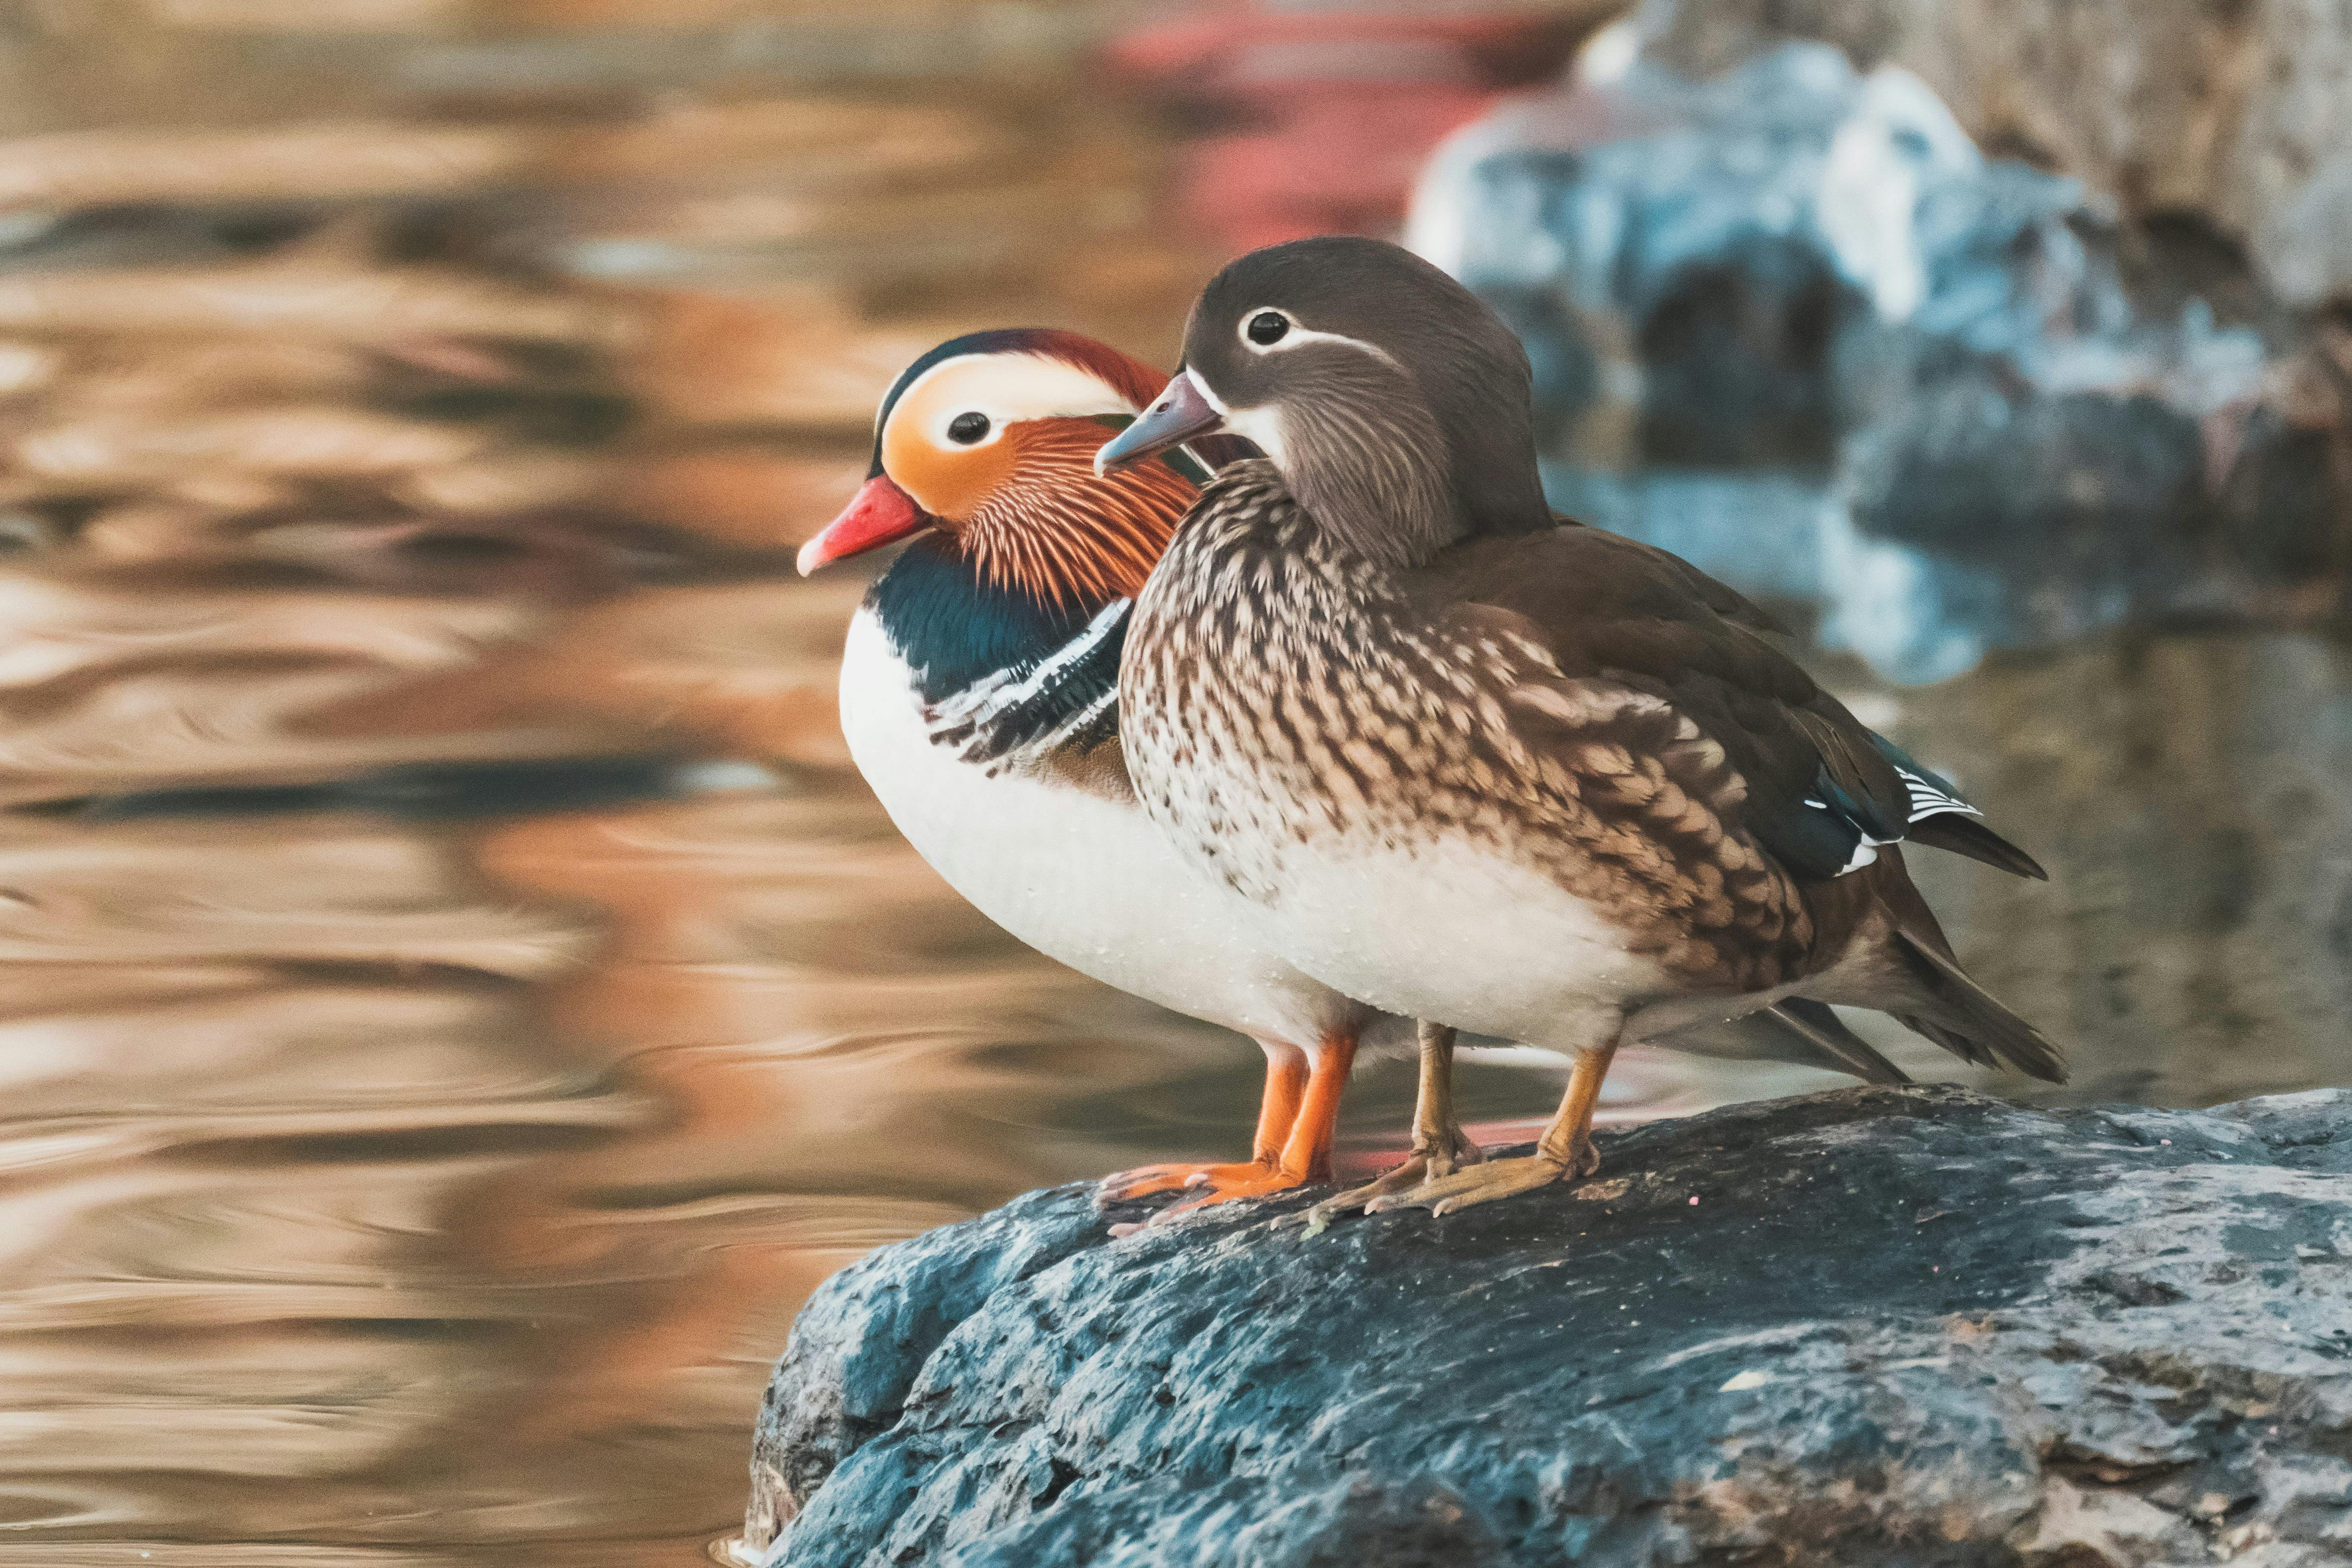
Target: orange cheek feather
(1056,530)
(950,484)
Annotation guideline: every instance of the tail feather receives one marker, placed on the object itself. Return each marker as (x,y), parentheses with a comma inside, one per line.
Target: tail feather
(1820,1027)
(1959,1044)
(1967,1019)
(1969,836)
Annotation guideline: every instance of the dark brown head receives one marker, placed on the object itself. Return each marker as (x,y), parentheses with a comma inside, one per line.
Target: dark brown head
(990,438)
(1395,404)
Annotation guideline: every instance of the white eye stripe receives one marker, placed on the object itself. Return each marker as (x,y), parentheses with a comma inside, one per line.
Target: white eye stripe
(1008,388)
(1303,334)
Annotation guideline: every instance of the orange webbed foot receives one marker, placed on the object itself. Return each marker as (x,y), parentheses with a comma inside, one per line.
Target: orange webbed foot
(1226,1182)
(1305,1100)
(1124,1187)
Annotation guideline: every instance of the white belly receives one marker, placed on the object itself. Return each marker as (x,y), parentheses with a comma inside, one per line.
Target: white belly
(1456,934)
(1084,879)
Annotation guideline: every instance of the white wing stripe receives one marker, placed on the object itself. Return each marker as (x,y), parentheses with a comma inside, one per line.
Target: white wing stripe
(1926,800)
(984,700)
(1864,852)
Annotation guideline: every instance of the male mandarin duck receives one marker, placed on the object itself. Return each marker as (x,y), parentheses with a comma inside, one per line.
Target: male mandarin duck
(978,695)
(1530,780)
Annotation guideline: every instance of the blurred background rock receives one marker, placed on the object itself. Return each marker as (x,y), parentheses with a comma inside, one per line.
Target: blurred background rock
(459,999)
(2005,322)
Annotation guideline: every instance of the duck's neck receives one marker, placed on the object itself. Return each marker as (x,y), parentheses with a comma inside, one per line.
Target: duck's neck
(1377,491)
(1398,496)
(997,670)
(1274,578)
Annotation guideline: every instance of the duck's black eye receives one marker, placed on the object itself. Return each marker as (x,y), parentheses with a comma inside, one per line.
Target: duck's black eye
(966,428)
(1268,327)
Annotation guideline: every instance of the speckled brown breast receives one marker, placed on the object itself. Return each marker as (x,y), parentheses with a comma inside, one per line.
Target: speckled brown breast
(1279,696)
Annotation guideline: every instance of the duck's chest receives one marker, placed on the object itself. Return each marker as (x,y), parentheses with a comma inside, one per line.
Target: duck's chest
(1351,766)
(1073,866)
(1276,698)
(999,825)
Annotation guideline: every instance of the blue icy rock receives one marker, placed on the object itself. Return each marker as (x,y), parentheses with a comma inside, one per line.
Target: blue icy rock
(1880,1326)
(1792,323)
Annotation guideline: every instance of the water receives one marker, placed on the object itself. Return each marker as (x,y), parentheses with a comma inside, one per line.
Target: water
(432,1182)
(434,1185)
(455,1000)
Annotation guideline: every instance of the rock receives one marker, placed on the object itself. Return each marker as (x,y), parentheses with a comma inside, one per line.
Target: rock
(1867,1327)
(1979,516)
(2020,417)
(2232,112)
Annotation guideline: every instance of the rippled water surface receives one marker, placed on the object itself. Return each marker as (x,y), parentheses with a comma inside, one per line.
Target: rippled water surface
(434,1184)
(399,1170)
(431,1179)
(455,1001)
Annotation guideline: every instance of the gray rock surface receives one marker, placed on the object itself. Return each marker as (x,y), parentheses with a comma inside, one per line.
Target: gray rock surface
(1870,1327)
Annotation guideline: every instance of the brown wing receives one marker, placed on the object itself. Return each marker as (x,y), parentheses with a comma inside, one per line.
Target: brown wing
(1680,722)
(1819,787)
(1675,573)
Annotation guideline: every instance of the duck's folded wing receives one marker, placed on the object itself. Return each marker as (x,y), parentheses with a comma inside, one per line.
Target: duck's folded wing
(1670,573)
(1811,785)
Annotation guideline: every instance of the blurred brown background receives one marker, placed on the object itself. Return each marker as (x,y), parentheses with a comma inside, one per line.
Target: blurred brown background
(459,1003)
(457,1000)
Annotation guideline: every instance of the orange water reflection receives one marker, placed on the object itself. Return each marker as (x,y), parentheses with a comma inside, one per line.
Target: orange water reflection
(382,1184)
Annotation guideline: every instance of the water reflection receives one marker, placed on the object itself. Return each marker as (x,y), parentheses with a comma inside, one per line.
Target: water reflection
(455,999)
(379,1182)
(401,1185)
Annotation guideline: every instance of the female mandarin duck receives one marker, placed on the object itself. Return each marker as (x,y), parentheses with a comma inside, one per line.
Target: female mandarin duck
(1534,781)
(978,694)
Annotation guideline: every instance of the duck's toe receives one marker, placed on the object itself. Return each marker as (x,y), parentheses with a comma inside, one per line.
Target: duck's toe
(1227,1183)
(1415,1170)
(1480,1184)
(1454,1151)
(1125,1186)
